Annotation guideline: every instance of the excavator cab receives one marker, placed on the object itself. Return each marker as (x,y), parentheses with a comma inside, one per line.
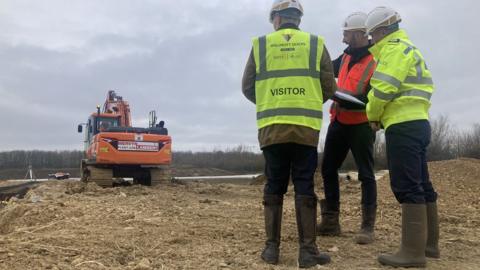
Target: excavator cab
(96,124)
(105,123)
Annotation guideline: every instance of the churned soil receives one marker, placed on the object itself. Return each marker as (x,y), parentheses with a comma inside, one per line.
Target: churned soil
(72,225)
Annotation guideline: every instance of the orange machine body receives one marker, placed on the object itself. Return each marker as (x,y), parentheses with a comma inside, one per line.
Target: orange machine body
(130,148)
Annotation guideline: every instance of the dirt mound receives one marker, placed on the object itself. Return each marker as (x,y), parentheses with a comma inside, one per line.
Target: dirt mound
(187,170)
(71,225)
(9,216)
(468,170)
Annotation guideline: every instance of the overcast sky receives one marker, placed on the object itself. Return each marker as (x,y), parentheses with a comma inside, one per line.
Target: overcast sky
(185,59)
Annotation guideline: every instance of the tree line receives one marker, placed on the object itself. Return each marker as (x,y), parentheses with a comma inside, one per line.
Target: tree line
(446,143)
(21,159)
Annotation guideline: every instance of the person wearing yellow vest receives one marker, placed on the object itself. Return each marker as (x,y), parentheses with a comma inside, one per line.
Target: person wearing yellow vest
(399,102)
(288,76)
(349,130)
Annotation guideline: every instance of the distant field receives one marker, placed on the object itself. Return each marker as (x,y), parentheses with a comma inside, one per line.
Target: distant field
(6,174)
(177,170)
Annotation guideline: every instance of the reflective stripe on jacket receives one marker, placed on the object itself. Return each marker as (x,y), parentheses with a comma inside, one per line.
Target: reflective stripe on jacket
(401,85)
(287,84)
(353,81)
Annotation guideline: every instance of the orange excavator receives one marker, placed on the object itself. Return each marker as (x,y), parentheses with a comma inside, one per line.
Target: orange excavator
(115,150)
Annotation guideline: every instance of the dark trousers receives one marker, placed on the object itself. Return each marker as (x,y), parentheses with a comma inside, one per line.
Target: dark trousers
(406,153)
(340,139)
(290,159)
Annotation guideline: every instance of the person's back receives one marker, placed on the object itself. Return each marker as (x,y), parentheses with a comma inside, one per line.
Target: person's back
(282,130)
(288,76)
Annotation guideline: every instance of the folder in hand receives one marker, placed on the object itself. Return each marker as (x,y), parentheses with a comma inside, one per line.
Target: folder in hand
(343,97)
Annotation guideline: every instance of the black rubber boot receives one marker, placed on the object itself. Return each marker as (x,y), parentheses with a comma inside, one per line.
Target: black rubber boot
(433,232)
(273,205)
(306,213)
(330,225)
(414,239)
(366,234)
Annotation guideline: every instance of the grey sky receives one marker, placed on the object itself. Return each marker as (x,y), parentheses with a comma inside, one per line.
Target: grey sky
(185,59)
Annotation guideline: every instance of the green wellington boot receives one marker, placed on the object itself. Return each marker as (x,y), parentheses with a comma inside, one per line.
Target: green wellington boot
(433,232)
(414,239)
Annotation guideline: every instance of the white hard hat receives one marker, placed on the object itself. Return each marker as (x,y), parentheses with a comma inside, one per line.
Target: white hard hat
(355,21)
(381,16)
(279,5)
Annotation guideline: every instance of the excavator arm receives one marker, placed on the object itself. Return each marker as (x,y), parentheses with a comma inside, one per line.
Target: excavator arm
(115,104)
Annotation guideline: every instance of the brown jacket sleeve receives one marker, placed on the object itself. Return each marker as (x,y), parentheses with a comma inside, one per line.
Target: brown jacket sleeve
(327,79)
(248,80)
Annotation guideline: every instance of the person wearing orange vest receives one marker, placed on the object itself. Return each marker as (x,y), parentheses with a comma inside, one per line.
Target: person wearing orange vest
(349,130)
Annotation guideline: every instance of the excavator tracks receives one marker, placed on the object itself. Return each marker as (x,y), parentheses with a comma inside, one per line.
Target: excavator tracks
(160,175)
(100,176)
(104,177)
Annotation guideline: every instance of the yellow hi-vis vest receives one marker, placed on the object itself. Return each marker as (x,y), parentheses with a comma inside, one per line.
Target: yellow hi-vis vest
(401,85)
(287,82)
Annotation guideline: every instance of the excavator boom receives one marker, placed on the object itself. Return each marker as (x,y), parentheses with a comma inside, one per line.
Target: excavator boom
(115,105)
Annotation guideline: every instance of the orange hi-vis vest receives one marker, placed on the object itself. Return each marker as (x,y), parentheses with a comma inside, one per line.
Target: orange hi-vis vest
(353,81)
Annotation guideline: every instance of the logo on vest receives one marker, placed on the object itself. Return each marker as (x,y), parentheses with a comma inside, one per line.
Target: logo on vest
(288,91)
(287,37)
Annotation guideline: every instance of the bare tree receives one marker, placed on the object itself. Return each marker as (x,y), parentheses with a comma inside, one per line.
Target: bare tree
(442,141)
(380,151)
(469,143)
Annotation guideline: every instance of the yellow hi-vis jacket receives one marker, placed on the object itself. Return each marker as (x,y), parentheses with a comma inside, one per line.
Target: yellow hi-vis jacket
(287,81)
(401,85)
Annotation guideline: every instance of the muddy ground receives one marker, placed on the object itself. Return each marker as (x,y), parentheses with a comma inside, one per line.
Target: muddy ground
(67,225)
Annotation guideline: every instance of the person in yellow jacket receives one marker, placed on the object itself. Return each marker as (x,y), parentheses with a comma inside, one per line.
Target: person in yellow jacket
(399,102)
(349,131)
(288,76)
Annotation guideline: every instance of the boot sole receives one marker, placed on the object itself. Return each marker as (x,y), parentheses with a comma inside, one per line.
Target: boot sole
(394,264)
(417,265)
(313,264)
(432,255)
(362,239)
(270,262)
(328,233)
(363,242)
(274,262)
